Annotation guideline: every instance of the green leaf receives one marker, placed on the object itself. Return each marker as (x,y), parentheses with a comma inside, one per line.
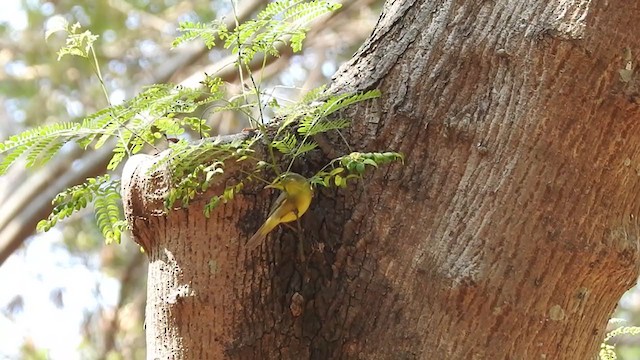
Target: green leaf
(314,126)
(336,171)
(305,147)
(351,165)
(193,30)
(339,102)
(338,180)
(104,192)
(40,144)
(211,205)
(281,22)
(78,44)
(296,40)
(286,145)
(108,214)
(370,162)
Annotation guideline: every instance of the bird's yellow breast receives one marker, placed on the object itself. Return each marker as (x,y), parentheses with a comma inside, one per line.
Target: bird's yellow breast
(302,201)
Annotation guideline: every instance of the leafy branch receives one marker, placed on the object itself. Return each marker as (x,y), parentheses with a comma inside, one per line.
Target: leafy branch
(163,110)
(607,351)
(105,195)
(352,166)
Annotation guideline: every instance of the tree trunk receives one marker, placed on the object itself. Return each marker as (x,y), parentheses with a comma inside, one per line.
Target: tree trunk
(510,232)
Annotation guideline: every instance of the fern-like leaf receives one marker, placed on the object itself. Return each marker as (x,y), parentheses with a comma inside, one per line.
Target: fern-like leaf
(73,199)
(339,102)
(41,149)
(313,126)
(287,144)
(227,195)
(193,30)
(108,212)
(39,144)
(282,21)
(194,167)
(305,147)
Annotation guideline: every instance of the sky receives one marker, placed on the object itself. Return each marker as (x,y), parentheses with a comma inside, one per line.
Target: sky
(13,15)
(37,271)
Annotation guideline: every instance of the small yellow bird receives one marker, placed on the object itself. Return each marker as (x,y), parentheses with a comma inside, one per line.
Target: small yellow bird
(292,203)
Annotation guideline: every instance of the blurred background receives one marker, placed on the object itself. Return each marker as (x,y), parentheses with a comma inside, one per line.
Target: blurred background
(65,294)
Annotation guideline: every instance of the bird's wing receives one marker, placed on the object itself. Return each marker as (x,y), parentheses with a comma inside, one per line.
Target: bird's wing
(270,223)
(278,202)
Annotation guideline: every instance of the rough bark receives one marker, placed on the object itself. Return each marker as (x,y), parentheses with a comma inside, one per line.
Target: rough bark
(510,232)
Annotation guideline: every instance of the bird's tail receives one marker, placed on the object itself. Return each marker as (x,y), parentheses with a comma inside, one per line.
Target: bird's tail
(257,238)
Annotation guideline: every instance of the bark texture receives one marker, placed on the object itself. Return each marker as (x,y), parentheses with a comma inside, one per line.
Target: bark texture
(510,232)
